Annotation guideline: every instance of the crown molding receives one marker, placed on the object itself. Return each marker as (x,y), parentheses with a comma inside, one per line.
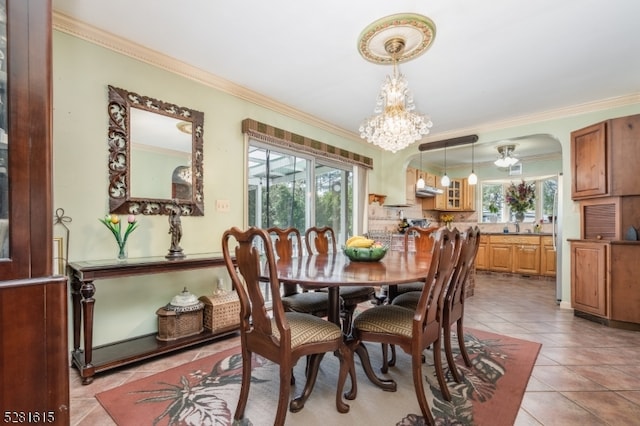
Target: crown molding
(554,114)
(81,30)
(68,25)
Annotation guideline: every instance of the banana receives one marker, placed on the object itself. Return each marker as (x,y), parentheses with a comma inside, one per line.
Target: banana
(359,241)
(352,239)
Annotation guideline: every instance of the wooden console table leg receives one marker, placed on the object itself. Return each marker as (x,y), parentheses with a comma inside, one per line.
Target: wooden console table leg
(87,291)
(75,309)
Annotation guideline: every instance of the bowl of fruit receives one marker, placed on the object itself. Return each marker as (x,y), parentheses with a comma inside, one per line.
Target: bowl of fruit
(362,249)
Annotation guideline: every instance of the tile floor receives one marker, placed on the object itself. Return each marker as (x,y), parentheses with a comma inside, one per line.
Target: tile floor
(585,374)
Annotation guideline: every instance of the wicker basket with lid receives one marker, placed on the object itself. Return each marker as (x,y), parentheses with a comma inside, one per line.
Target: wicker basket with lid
(182,317)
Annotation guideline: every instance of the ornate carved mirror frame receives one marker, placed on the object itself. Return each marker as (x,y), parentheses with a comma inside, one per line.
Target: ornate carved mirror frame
(121,200)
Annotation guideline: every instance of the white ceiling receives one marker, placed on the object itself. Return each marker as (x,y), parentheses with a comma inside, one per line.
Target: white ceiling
(491,61)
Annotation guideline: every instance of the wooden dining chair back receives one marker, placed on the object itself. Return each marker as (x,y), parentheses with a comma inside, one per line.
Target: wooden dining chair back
(416,330)
(453,307)
(422,238)
(286,241)
(282,337)
(320,240)
(323,241)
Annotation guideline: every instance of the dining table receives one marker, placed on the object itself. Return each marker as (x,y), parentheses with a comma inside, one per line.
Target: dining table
(334,270)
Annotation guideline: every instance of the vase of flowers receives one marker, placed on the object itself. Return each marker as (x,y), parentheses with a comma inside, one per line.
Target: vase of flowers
(447,219)
(520,198)
(113,222)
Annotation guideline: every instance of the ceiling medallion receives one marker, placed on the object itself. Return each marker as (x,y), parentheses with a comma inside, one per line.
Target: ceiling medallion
(417,31)
(395,124)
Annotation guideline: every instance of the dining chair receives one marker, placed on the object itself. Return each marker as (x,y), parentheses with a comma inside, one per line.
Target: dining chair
(285,241)
(322,240)
(423,240)
(415,331)
(282,337)
(453,307)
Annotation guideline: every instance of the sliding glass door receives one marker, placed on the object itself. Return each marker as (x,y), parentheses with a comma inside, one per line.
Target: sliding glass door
(334,199)
(279,192)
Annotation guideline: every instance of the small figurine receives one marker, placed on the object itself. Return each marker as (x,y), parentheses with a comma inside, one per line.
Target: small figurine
(175,229)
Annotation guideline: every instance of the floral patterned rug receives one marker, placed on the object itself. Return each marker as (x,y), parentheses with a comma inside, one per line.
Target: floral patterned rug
(205,391)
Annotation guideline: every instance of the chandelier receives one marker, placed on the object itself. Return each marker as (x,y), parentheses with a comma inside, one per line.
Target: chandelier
(395,124)
(506,158)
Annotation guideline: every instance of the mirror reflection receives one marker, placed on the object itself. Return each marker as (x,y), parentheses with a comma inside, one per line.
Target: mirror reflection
(162,144)
(155,155)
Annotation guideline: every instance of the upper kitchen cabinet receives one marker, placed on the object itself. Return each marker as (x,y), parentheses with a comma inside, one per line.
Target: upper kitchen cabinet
(605,159)
(458,196)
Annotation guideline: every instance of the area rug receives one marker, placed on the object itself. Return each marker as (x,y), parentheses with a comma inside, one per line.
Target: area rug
(205,391)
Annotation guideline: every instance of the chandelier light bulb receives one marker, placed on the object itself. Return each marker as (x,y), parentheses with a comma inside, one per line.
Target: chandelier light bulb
(395,127)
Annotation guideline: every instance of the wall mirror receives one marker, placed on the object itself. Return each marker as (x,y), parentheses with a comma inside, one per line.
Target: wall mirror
(155,156)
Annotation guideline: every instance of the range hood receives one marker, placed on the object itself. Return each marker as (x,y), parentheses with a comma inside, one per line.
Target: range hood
(428,191)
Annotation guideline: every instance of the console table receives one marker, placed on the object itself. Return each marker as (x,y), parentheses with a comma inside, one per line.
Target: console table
(89,360)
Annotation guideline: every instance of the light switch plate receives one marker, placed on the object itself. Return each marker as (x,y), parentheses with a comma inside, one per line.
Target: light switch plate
(223,205)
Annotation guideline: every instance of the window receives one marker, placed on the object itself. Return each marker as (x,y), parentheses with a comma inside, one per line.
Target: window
(495,209)
(280,193)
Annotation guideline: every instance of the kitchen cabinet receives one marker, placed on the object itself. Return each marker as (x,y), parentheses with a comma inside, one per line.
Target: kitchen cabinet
(469,197)
(604,284)
(33,301)
(500,254)
(482,257)
(458,196)
(526,258)
(515,254)
(605,159)
(608,218)
(589,277)
(454,195)
(548,256)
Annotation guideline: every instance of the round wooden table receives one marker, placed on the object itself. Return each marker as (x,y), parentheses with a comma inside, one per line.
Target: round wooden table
(334,270)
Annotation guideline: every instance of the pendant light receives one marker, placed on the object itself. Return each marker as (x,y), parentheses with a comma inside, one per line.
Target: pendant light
(420,182)
(473,179)
(445,181)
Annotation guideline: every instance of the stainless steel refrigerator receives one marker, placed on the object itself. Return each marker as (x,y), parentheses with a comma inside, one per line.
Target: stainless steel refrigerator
(556,223)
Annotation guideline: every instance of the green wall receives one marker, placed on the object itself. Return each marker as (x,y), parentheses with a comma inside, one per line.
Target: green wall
(81,73)
(126,308)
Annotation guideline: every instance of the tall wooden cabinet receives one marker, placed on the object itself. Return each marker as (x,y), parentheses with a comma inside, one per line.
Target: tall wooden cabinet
(605,158)
(34,363)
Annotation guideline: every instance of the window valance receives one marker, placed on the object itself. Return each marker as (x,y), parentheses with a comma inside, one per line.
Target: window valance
(266,133)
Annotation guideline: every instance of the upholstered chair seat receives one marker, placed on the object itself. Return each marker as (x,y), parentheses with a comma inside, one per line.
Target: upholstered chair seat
(307,329)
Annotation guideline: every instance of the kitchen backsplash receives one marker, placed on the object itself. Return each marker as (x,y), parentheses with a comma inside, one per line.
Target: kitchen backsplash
(385,220)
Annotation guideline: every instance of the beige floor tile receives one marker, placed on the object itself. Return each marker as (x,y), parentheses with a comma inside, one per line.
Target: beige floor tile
(608,406)
(554,409)
(585,374)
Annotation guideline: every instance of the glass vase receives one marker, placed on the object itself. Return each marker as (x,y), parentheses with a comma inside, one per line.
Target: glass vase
(122,252)
(519,217)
